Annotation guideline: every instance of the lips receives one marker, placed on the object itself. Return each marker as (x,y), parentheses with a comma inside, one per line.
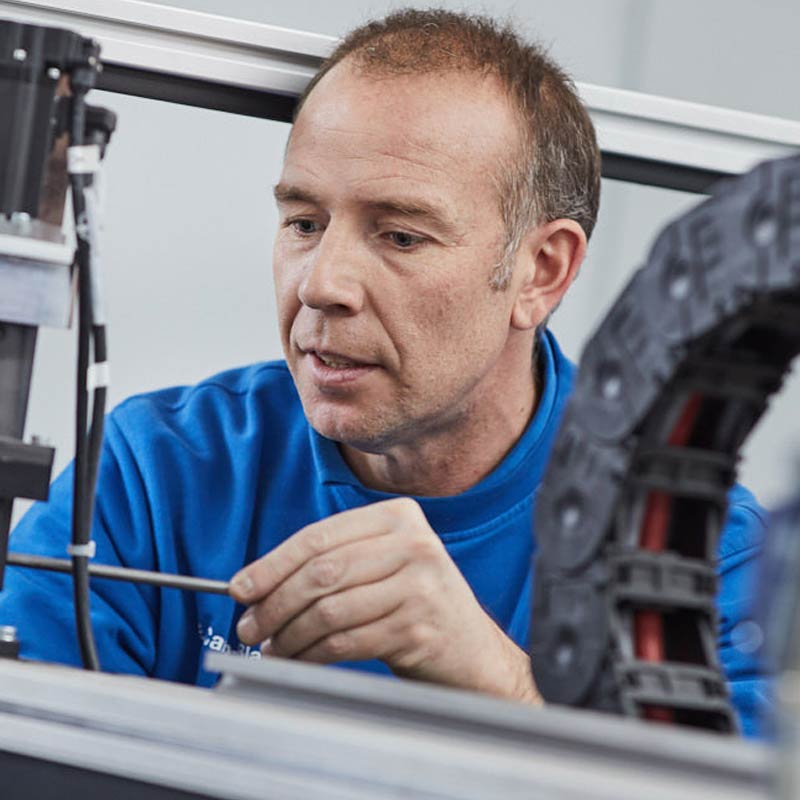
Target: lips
(338,361)
(333,371)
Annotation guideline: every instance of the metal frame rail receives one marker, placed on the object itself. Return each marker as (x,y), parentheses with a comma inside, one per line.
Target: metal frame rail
(278,729)
(249,68)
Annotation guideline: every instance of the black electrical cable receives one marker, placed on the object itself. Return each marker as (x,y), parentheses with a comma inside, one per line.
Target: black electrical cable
(98,414)
(83,494)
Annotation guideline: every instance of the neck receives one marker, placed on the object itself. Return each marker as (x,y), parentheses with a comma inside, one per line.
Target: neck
(450,461)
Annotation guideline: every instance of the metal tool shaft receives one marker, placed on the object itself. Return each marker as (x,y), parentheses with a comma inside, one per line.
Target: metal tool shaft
(165,579)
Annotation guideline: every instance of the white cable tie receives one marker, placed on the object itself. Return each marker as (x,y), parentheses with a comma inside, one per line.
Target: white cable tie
(88,550)
(83,159)
(98,376)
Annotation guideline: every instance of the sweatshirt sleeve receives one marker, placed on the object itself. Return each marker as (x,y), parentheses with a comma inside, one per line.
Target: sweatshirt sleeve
(124,616)
(739,553)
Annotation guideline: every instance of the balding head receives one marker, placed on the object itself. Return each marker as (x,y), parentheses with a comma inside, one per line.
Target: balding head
(554,171)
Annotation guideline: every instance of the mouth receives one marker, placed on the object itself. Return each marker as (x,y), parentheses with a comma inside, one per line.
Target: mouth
(331,369)
(337,361)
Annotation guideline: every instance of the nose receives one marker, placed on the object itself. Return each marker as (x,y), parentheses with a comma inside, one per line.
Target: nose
(332,279)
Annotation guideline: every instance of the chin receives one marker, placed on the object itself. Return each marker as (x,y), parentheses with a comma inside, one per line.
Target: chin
(350,428)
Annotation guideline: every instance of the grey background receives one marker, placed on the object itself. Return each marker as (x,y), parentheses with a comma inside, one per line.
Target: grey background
(189,219)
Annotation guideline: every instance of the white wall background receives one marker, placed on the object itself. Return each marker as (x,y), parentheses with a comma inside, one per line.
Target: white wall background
(189,218)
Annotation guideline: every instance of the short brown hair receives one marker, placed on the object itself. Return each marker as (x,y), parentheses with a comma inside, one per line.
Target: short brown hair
(555,173)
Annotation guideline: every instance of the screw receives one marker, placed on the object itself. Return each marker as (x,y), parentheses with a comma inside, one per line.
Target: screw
(21,219)
(54,73)
(20,54)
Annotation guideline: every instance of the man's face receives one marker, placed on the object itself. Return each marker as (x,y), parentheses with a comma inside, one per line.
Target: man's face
(389,231)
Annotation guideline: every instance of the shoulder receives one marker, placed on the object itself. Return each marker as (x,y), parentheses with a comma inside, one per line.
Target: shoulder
(237,401)
(269,380)
(743,533)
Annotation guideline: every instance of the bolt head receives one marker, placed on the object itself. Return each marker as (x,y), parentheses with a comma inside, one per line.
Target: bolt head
(54,73)
(20,54)
(21,218)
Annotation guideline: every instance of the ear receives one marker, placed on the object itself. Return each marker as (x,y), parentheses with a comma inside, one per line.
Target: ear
(546,263)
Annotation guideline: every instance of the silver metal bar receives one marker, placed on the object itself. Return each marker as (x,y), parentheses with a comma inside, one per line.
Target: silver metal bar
(686,134)
(165,579)
(141,36)
(288,743)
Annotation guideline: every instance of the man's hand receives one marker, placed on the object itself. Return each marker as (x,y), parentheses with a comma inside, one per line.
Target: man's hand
(376,582)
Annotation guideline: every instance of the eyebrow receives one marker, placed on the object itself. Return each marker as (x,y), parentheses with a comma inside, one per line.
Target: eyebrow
(413,209)
(293,194)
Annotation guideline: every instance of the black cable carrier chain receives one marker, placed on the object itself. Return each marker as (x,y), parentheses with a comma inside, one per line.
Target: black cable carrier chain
(631,507)
(660,580)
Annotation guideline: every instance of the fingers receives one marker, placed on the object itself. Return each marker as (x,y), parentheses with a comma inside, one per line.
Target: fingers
(340,614)
(354,564)
(262,576)
(356,644)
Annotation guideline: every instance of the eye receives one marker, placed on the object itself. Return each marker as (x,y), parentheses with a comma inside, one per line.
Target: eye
(404,240)
(304,227)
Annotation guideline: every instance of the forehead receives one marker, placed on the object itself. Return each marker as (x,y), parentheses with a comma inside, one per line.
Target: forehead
(451,128)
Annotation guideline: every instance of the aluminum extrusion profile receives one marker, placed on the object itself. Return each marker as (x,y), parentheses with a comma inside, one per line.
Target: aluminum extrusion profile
(249,68)
(300,731)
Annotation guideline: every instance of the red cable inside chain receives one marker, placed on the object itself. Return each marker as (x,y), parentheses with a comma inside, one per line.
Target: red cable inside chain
(649,625)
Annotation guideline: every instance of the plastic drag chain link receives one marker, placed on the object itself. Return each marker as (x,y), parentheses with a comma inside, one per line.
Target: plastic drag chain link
(634,497)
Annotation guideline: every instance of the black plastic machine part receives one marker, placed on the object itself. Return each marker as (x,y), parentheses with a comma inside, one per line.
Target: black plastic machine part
(634,497)
(32,60)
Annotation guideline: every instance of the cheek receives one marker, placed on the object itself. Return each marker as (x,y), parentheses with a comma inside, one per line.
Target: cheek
(454,328)
(285,276)
(458,313)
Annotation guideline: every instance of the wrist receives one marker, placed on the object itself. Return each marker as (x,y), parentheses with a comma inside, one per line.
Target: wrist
(509,675)
(524,689)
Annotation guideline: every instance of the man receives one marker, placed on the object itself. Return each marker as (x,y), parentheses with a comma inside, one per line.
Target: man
(375,500)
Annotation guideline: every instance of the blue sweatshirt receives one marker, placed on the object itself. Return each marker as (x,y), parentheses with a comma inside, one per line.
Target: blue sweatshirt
(202,480)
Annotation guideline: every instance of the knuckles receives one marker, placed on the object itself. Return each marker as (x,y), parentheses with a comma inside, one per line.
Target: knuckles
(424,547)
(420,636)
(318,539)
(405,509)
(417,648)
(418,537)
(337,646)
(324,572)
(329,612)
